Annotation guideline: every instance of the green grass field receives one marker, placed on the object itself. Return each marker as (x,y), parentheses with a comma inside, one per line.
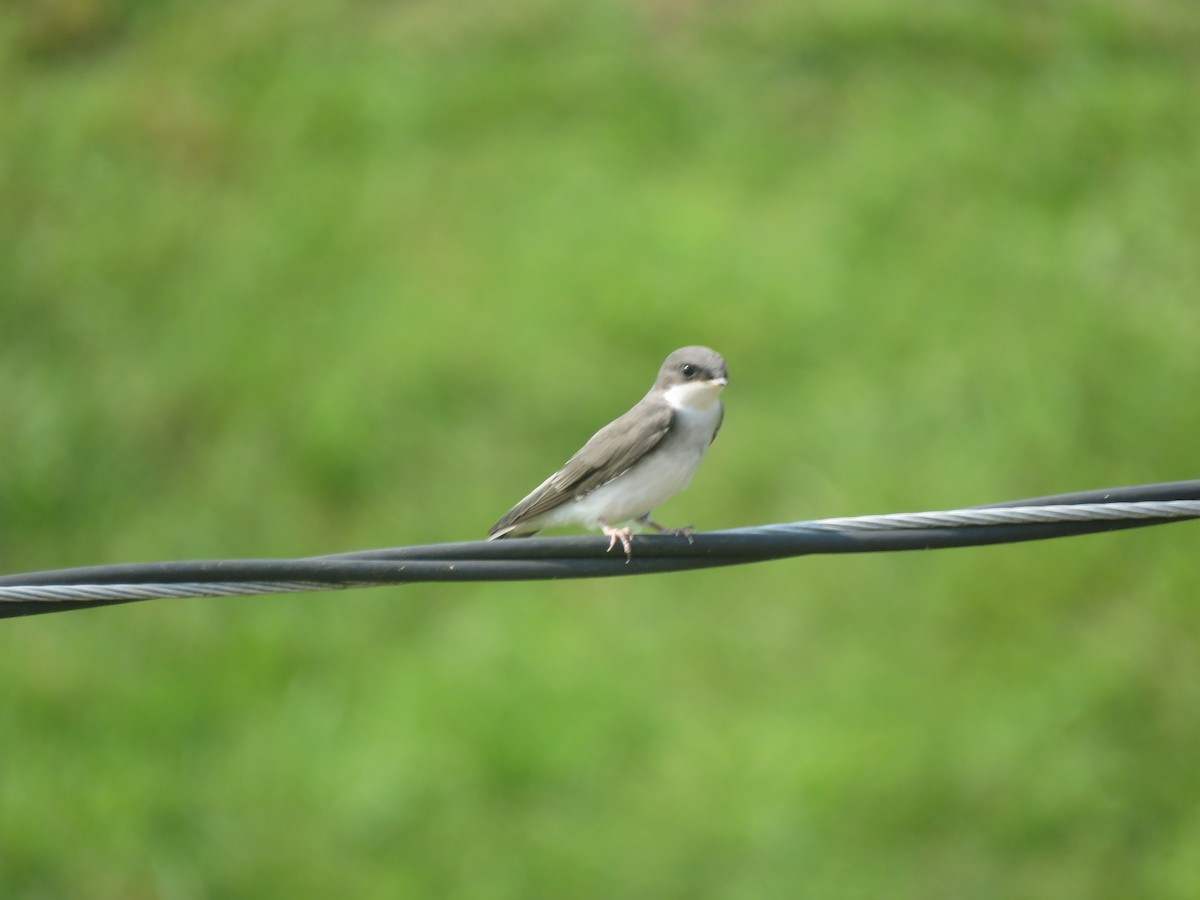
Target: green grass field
(284,278)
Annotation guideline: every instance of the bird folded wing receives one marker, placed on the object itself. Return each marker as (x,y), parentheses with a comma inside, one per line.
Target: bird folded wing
(611,451)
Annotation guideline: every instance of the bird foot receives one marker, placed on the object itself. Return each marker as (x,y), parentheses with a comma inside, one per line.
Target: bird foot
(685,531)
(624,535)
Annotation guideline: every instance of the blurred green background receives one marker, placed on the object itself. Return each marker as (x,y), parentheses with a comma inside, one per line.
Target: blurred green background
(286,278)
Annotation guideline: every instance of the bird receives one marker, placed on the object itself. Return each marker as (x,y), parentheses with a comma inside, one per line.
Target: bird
(636,461)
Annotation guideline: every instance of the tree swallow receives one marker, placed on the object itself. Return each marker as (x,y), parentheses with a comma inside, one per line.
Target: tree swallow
(635,462)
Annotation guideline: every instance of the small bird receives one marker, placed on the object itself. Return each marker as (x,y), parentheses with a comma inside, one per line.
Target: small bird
(635,462)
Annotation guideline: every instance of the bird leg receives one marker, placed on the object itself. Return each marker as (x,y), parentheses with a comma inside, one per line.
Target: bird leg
(685,531)
(624,535)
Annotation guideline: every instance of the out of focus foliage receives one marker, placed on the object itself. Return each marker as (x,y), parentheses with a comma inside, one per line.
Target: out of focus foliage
(285,278)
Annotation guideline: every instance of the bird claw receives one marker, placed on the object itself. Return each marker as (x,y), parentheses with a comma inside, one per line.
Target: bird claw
(685,531)
(624,535)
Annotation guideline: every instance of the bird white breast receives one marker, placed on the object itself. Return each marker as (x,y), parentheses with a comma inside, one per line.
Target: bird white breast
(659,475)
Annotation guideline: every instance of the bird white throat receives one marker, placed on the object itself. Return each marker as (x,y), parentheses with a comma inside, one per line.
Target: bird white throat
(695,397)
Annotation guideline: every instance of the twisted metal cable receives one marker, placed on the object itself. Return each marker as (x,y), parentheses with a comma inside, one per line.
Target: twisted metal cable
(151,591)
(588,557)
(1013,515)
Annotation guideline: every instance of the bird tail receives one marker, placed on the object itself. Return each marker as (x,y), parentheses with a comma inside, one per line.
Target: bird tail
(499,531)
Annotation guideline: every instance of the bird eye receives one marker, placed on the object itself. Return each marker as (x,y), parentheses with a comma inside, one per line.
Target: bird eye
(688,370)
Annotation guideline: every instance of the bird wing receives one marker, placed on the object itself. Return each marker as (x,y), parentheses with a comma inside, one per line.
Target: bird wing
(610,452)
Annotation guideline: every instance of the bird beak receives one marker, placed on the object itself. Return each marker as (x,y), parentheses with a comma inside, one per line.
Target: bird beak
(722,381)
